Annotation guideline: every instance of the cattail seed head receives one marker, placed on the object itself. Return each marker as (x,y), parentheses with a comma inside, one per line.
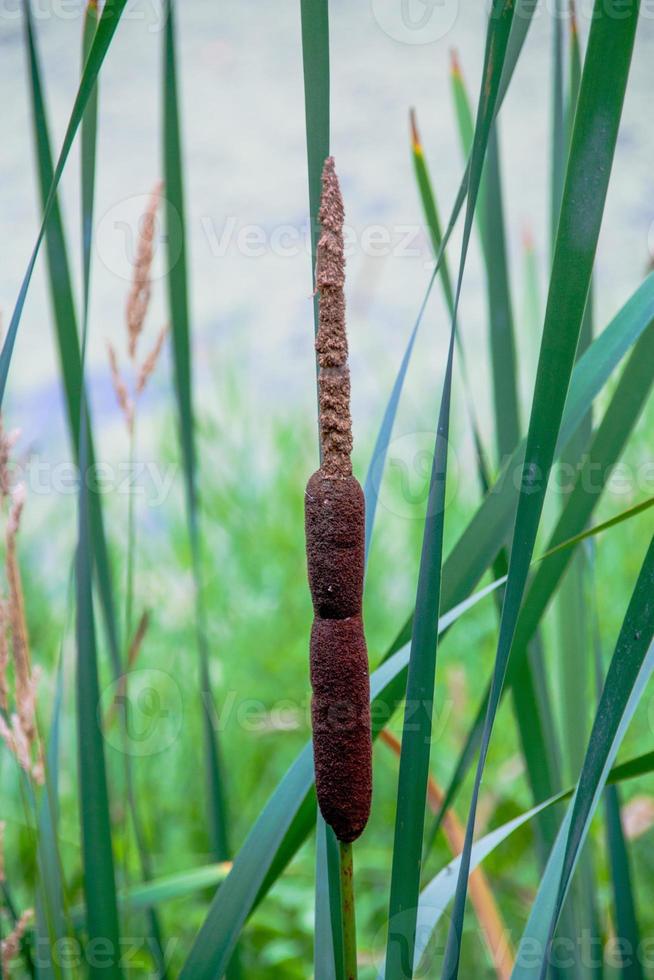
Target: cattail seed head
(335,534)
(340,717)
(331,341)
(335,521)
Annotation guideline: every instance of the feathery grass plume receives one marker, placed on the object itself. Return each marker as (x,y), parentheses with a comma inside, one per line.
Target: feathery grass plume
(4,657)
(150,362)
(120,388)
(334,522)
(17,622)
(138,301)
(18,731)
(139,295)
(10,947)
(5,453)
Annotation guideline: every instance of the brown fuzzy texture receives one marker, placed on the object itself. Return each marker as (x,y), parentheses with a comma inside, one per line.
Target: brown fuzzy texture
(340,715)
(335,529)
(331,342)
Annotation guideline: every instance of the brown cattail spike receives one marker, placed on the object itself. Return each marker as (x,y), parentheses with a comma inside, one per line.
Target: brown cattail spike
(331,342)
(335,522)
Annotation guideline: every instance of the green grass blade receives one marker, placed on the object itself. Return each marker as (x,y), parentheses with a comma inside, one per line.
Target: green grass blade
(574,70)
(558,141)
(603,85)
(624,902)
(626,918)
(52,926)
(89,134)
(466,127)
(625,515)
(180,326)
(532,315)
(573,625)
(524,11)
(328,930)
(490,221)
(97,855)
(432,218)
(580,913)
(65,319)
(503,354)
(315,62)
(631,667)
(111,14)
(416,736)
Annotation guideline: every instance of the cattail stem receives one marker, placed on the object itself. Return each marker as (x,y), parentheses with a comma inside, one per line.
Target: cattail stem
(348,913)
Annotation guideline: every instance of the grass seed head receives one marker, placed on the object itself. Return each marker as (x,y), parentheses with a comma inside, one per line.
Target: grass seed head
(138,299)
(10,947)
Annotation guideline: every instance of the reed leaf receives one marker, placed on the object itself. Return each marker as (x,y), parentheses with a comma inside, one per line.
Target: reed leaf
(180,326)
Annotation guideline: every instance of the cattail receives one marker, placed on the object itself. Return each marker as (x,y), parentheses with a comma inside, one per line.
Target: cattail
(335,522)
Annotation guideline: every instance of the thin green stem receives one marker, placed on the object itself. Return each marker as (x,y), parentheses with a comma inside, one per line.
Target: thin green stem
(349,919)
(131,528)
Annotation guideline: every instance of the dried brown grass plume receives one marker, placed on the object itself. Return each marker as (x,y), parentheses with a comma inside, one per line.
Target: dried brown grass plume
(138,301)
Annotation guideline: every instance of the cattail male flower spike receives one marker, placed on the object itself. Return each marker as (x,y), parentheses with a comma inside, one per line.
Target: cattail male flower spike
(334,522)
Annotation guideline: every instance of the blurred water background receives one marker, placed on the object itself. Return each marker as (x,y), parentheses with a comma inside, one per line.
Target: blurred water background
(246,190)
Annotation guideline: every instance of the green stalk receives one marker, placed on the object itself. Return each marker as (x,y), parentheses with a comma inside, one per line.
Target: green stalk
(349,915)
(129,561)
